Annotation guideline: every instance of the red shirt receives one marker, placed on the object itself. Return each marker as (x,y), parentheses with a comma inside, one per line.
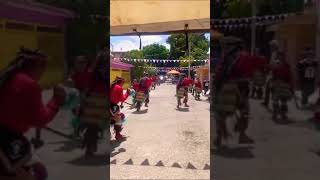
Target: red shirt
(98,87)
(135,86)
(21,106)
(245,66)
(81,79)
(154,79)
(260,63)
(149,82)
(187,82)
(117,94)
(282,72)
(198,84)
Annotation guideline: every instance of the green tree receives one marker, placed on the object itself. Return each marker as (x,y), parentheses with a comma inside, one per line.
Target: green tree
(155,51)
(186,63)
(139,67)
(198,42)
(150,70)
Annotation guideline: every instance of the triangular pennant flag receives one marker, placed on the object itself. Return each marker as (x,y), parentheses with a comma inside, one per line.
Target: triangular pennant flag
(113,162)
(145,163)
(206,167)
(129,162)
(176,165)
(190,166)
(160,163)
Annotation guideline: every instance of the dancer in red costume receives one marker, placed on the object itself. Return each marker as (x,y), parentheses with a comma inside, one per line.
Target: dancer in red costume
(116,97)
(232,90)
(282,88)
(198,88)
(22,108)
(144,86)
(260,74)
(182,89)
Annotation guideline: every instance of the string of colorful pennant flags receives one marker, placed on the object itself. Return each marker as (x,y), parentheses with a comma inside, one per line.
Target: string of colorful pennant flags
(169,68)
(165,69)
(246,22)
(157,60)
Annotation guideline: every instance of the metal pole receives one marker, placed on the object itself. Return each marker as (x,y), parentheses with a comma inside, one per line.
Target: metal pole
(189,73)
(318,30)
(111,47)
(186,26)
(253,25)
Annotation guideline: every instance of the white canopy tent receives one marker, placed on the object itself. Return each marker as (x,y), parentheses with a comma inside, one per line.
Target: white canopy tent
(130,17)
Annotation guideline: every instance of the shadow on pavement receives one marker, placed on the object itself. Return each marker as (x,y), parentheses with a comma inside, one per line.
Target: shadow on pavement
(68,145)
(183,109)
(121,150)
(283,121)
(114,144)
(140,112)
(97,160)
(234,153)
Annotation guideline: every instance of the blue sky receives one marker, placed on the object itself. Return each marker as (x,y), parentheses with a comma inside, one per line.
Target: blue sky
(127,43)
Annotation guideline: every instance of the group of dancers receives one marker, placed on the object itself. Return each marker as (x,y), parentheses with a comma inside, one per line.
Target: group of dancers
(240,74)
(187,84)
(140,91)
(22,108)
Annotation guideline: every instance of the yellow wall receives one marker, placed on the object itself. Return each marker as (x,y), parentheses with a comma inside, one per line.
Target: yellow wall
(52,44)
(55,51)
(124,74)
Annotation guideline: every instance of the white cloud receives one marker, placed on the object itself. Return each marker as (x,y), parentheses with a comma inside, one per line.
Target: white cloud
(133,42)
(125,45)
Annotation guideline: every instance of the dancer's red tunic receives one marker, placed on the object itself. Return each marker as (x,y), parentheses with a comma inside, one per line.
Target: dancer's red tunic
(21,105)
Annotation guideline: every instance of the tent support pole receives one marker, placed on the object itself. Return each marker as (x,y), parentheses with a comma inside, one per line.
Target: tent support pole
(253,26)
(188,49)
